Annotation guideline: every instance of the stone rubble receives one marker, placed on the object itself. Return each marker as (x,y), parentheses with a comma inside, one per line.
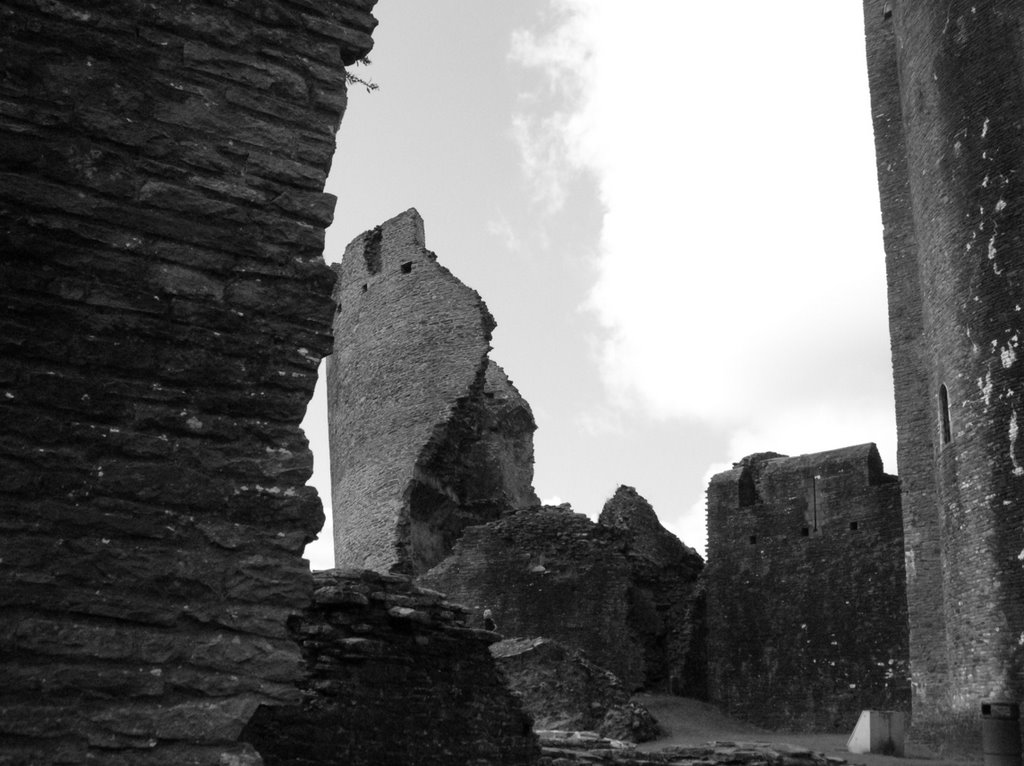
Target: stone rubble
(564,748)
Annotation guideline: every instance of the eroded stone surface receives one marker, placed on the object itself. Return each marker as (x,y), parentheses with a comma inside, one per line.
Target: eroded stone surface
(562,689)
(946,100)
(393,674)
(667,598)
(428,435)
(165,308)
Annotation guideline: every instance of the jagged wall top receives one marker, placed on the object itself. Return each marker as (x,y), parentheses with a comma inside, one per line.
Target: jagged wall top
(410,388)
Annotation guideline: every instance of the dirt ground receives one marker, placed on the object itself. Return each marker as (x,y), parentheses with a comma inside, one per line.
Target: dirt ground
(689,722)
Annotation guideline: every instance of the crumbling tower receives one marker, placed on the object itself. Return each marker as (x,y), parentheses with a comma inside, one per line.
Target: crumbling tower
(427,435)
(947,93)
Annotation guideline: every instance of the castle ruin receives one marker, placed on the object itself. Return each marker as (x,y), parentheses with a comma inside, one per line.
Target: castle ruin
(428,435)
(167,306)
(806,604)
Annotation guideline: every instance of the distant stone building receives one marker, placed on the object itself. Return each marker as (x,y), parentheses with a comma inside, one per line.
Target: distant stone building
(427,435)
(807,615)
(623,591)
(947,95)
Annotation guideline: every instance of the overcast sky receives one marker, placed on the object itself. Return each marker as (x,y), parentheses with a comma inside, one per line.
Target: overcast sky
(671,211)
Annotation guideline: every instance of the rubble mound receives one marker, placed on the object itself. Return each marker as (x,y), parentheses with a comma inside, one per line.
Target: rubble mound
(625,593)
(562,689)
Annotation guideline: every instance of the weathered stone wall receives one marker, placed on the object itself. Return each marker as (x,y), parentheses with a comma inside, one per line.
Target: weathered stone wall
(954,234)
(806,605)
(553,573)
(427,434)
(393,675)
(165,307)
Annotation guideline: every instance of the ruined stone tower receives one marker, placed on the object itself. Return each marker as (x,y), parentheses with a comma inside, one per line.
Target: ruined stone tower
(427,434)
(947,95)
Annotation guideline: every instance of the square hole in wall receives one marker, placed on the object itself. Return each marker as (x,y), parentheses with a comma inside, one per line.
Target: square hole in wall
(407,267)
(805,532)
(853,525)
(753,539)
(364,288)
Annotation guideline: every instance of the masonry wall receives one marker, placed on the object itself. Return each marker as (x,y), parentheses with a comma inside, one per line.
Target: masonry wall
(427,434)
(915,426)
(806,604)
(553,573)
(393,674)
(957,76)
(165,307)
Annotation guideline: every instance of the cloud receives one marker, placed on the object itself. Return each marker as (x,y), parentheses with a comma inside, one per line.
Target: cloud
(740,273)
(546,126)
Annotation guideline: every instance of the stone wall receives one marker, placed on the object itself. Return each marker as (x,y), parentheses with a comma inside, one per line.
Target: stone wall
(427,434)
(393,675)
(947,104)
(165,308)
(806,605)
(553,573)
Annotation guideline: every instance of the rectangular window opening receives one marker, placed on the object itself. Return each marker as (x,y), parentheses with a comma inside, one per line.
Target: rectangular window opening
(853,525)
(944,427)
(805,532)
(407,267)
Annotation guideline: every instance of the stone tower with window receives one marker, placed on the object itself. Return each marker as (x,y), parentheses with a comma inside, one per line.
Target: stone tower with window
(947,100)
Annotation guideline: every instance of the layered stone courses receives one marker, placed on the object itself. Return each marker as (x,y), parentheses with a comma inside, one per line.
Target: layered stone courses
(806,605)
(165,308)
(427,434)
(393,674)
(947,104)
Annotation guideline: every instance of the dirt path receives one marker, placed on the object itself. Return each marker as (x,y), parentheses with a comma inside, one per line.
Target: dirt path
(689,722)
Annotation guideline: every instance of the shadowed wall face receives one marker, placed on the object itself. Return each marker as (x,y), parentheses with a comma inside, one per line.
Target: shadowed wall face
(165,309)
(393,675)
(427,434)
(950,150)
(805,590)
(621,592)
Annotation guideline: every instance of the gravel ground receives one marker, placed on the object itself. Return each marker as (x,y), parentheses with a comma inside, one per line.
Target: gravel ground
(690,722)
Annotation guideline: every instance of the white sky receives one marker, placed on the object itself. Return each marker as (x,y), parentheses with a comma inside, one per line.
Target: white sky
(669,207)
